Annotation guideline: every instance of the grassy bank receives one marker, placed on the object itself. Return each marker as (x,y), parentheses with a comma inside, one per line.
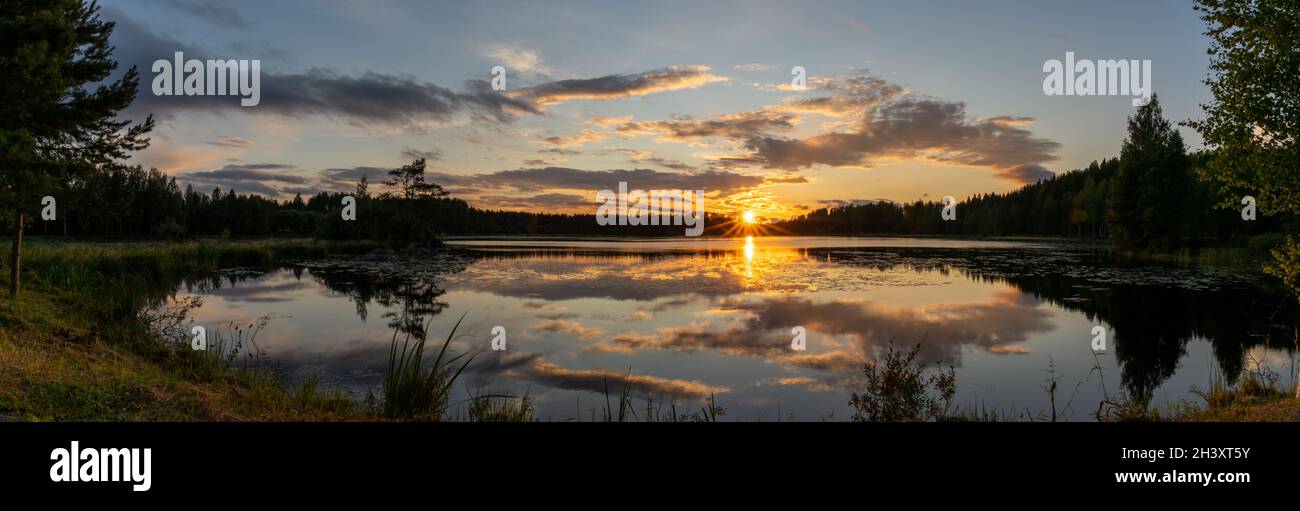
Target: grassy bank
(75,346)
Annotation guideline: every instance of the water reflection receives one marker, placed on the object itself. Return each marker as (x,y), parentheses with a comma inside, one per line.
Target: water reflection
(687,323)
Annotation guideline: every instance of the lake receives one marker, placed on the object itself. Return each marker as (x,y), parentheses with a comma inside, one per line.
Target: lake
(685,319)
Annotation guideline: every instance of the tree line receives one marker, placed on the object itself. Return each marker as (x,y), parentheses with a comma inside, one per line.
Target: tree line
(1150,199)
(1147,199)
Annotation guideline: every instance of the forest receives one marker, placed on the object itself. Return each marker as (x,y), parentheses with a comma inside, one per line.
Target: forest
(1179,210)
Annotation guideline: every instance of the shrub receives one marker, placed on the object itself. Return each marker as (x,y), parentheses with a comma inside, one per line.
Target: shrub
(899,390)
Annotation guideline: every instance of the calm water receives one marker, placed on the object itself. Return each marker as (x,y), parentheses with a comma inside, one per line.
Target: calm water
(690,318)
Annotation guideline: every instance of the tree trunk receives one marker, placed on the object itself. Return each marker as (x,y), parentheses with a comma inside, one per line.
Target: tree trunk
(15,262)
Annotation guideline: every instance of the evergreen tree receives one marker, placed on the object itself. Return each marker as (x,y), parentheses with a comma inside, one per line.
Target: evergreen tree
(1147,199)
(58,117)
(408,182)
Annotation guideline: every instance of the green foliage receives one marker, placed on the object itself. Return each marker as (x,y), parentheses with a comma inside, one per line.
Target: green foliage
(1285,264)
(502,409)
(898,390)
(1254,119)
(58,119)
(408,182)
(412,390)
(1148,198)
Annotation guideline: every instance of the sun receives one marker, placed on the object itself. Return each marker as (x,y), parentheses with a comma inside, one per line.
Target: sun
(748,217)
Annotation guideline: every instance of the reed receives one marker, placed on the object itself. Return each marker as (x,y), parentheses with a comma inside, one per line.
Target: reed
(413,391)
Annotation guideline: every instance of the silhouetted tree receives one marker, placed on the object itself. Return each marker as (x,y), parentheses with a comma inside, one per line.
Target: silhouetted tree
(1149,195)
(58,117)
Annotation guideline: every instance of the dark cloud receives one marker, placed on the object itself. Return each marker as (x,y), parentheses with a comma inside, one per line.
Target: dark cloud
(232,141)
(915,128)
(343,179)
(646,157)
(742,126)
(582,137)
(433,154)
(878,120)
(532,367)
(601,381)
(213,12)
(574,179)
(1000,325)
(246,177)
(666,163)
(250,172)
(839,203)
(618,86)
(376,98)
(543,202)
(261,292)
(367,99)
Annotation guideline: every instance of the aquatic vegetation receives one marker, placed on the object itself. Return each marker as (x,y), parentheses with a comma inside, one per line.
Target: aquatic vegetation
(501,408)
(898,390)
(413,390)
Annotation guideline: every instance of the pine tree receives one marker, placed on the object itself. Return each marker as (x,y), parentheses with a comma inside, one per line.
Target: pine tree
(53,126)
(1147,198)
(408,182)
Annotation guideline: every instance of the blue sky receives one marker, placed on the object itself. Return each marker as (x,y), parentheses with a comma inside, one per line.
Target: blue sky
(970,62)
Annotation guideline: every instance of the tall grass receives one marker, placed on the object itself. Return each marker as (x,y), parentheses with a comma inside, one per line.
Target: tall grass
(80,265)
(413,391)
(498,408)
(654,409)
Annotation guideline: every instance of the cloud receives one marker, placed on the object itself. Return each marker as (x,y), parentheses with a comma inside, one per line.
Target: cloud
(786,179)
(839,203)
(599,381)
(376,98)
(516,59)
(639,157)
(879,120)
(250,172)
(608,121)
(582,137)
(574,179)
(261,292)
(1000,325)
(544,201)
(570,327)
(350,176)
(666,163)
(213,12)
(432,154)
(247,178)
(618,86)
(232,141)
(741,126)
(754,67)
(367,99)
(915,129)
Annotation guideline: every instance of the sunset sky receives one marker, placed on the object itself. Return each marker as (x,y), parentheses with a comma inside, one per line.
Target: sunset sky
(906,100)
